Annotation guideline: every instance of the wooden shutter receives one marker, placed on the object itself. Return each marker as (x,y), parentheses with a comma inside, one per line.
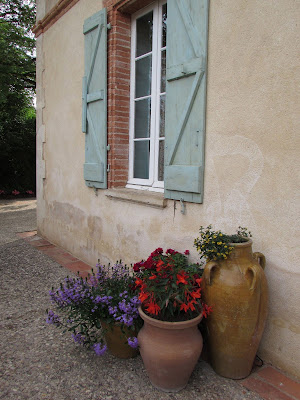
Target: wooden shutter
(186,99)
(94,100)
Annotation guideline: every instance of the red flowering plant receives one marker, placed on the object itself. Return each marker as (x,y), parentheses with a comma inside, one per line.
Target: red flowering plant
(170,288)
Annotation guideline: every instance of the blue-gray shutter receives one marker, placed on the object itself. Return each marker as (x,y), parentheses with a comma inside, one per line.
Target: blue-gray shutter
(94,100)
(187,35)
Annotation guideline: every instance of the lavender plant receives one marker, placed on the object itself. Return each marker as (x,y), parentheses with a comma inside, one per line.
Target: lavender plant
(108,295)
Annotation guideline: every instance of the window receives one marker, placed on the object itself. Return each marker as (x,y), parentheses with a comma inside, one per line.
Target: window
(147,97)
(165,103)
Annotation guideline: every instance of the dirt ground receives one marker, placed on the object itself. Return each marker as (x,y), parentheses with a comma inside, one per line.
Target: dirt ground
(40,362)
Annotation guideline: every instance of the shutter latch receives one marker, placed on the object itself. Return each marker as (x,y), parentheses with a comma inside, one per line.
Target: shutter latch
(182,206)
(108,168)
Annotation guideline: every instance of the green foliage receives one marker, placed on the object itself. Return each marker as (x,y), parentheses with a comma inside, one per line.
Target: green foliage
(215,245)
(17,85)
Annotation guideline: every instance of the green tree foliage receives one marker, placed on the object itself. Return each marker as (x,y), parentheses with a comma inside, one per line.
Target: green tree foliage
(17,86)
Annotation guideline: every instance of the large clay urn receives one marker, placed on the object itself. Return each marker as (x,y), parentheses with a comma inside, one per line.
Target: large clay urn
(170,351)
(237,290)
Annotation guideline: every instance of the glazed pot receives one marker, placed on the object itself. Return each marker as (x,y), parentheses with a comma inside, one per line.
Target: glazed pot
(116,340)
(170,351)
(237,290)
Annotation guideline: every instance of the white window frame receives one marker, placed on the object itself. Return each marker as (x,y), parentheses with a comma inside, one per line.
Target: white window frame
(152,183)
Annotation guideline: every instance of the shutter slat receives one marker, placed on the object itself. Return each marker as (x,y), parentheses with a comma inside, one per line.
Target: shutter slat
(186,99)
(94,100)
(84,103)
(189,25)
(185,116)
(185,69)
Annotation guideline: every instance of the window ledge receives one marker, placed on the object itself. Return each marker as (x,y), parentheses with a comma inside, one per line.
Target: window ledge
(142,197)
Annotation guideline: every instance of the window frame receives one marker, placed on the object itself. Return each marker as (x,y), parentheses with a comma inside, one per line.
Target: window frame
(152,182)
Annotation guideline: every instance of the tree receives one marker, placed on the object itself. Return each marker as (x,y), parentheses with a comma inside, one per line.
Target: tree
(17,86)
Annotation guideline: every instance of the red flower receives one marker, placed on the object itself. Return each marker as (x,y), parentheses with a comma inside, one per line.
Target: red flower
(159,265)
(187,252)
(143,296)
(184,307)
(152,277)
(191,305)
(136,267)
(206,310)
(198,281)
(181,278)
(153,308)
(170,251)
(139,282)
(196,294)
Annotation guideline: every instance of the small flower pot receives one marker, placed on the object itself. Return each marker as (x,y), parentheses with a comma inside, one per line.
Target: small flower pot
(116,340)
(170,351)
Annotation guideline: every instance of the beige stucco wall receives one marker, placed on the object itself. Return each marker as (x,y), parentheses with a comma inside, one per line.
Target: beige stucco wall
(251,169)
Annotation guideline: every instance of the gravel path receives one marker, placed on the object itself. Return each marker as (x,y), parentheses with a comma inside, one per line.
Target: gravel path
(40,362)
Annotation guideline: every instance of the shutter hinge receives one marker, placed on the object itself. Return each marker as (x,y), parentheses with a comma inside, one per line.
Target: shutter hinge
(108,147)
(108,26)
(108,168)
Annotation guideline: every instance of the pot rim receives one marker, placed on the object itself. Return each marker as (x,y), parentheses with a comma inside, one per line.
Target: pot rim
(242,244)
(170,325)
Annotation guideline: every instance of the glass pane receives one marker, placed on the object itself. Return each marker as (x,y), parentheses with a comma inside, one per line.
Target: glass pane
(161,159)
(141,159)
(143,71)
(144,29)
(142,118)
(162,116)
(164,26)
(163,72)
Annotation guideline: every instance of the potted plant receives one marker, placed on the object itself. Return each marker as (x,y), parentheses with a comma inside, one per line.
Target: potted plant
(171,307)
(100,311)
(235,285)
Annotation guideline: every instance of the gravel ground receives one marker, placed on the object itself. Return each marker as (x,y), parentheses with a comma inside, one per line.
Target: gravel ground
(40,362)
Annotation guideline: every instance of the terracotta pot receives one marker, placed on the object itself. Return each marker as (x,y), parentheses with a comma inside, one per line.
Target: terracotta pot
(170,351)
(237,290)
(116,341)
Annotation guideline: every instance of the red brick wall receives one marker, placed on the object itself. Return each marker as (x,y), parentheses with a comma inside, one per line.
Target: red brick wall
(118,74)
(119,86)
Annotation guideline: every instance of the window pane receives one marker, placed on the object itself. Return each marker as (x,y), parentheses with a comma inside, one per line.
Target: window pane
(164,25)
(161,159)
(141,159)
(144,29)
(142,118)
(163,72)
(162,116)
(143,71)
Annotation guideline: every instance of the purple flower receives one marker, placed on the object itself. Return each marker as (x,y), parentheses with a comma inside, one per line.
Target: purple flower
(52,318)
(78,338)
(99,349)
(112,310)
(133,342)
(135,301)
(127,320)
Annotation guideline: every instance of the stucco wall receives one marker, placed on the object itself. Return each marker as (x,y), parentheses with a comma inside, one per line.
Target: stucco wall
(251,168)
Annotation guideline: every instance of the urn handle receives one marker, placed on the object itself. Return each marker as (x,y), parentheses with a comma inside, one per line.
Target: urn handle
(208,272)
(252,271)
(260,258)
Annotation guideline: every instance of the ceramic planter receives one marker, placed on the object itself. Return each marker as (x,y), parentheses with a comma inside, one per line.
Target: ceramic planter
(237,290)
(170,351)
(116,341)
